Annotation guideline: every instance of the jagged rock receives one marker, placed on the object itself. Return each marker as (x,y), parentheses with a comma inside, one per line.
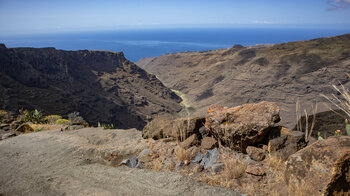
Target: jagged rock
(24,128)
(132,162)
(190,141)
(255,170)
(181,128)
(8,135)
(198,158)
(210,158)
(203,131)
(208,143)
(217,167)
(139,165)
(286,145)
(241,126)
(255,153)
(323,166)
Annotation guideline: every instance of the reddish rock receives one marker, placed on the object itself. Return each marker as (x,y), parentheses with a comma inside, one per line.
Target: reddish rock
(208,143)
(243,125)
(323,166)
(255,170)
(255,153)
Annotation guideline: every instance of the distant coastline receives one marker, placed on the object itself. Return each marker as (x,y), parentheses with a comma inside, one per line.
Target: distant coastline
(139,43)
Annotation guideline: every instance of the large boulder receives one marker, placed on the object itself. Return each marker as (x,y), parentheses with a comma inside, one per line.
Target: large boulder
(242,126)
(180,128)
(323,167)
(287,144)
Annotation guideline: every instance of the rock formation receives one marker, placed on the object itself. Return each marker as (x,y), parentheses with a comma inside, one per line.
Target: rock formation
(103,86)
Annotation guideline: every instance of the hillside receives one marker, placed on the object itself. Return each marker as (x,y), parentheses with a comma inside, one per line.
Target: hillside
(103,86)
(280,73)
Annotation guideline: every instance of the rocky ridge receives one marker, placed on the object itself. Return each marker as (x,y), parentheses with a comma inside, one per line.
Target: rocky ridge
(103,86)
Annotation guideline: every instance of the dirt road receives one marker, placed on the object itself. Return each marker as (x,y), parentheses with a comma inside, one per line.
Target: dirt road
(76,163)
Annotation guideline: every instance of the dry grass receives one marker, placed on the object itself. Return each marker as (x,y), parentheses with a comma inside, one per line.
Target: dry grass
(182,154)
(308,129)
(234,168)
(342,102)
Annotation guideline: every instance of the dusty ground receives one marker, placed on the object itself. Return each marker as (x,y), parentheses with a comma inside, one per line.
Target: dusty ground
(78,163)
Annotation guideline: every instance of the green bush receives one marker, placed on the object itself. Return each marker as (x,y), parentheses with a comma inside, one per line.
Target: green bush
(51,119)
(38,129)
(105,126)
(34,116)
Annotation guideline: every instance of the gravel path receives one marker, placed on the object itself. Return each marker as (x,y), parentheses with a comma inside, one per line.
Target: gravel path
(75,163)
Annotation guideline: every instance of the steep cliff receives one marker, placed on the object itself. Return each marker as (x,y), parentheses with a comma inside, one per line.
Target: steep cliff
(103,86)
(281,73)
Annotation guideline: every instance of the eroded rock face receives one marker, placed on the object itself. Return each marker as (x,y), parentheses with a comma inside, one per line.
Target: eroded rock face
(242,126)
(103,86)
(181,128)
(324,167)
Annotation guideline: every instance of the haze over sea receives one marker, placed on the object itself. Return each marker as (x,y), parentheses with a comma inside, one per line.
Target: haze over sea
(139,43)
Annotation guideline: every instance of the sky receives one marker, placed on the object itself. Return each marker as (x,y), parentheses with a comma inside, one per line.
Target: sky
(40,16)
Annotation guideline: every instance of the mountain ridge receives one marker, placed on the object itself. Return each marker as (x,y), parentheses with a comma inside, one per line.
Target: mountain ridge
(103,86)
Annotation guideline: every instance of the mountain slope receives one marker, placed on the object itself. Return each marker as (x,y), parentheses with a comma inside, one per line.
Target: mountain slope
(103,86)
(281,73)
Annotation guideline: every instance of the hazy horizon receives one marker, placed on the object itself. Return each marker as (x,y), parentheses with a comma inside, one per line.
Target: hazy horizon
(35,16)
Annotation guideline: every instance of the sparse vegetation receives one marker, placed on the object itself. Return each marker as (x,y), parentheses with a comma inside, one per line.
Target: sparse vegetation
(51,119)
(34,116)
(76,119)
(233,168)
(308,129)
(63,122)
(105,126)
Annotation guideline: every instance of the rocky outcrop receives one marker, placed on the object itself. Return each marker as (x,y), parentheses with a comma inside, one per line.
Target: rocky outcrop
(103,86)
(242,126)
(279,73)
(323,167)
(287,144)
(164,127)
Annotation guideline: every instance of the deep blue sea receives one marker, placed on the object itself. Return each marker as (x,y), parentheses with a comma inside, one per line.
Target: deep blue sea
(138,43)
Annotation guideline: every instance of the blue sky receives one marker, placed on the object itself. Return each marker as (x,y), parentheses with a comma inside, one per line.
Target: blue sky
(31,16)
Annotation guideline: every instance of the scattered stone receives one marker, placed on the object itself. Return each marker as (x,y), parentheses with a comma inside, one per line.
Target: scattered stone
(24,128)
(255,170)
(132,162)
(243,125)
(208,143)
(287,145)
(139,165)
(190,141)
(203,131)
(5,128)
(322,166)
(216,168)
(210,158)
(8,135)
(164,127)
(186,162)
(178,165)
(198,158)
(3,125)
(255,153)
(198,169)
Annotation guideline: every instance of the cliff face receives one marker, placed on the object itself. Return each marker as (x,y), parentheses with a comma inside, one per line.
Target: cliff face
(103,86)
(280,73)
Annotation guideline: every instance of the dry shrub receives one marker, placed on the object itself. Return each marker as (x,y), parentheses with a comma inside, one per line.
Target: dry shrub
(234,168)
(182,154)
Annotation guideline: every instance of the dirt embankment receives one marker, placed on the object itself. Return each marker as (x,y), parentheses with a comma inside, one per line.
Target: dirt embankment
(77,163)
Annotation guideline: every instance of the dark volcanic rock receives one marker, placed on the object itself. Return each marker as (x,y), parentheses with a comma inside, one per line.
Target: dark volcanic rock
(103,86)
(323,166)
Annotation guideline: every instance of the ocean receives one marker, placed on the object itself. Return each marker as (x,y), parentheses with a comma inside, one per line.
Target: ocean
(139,43)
